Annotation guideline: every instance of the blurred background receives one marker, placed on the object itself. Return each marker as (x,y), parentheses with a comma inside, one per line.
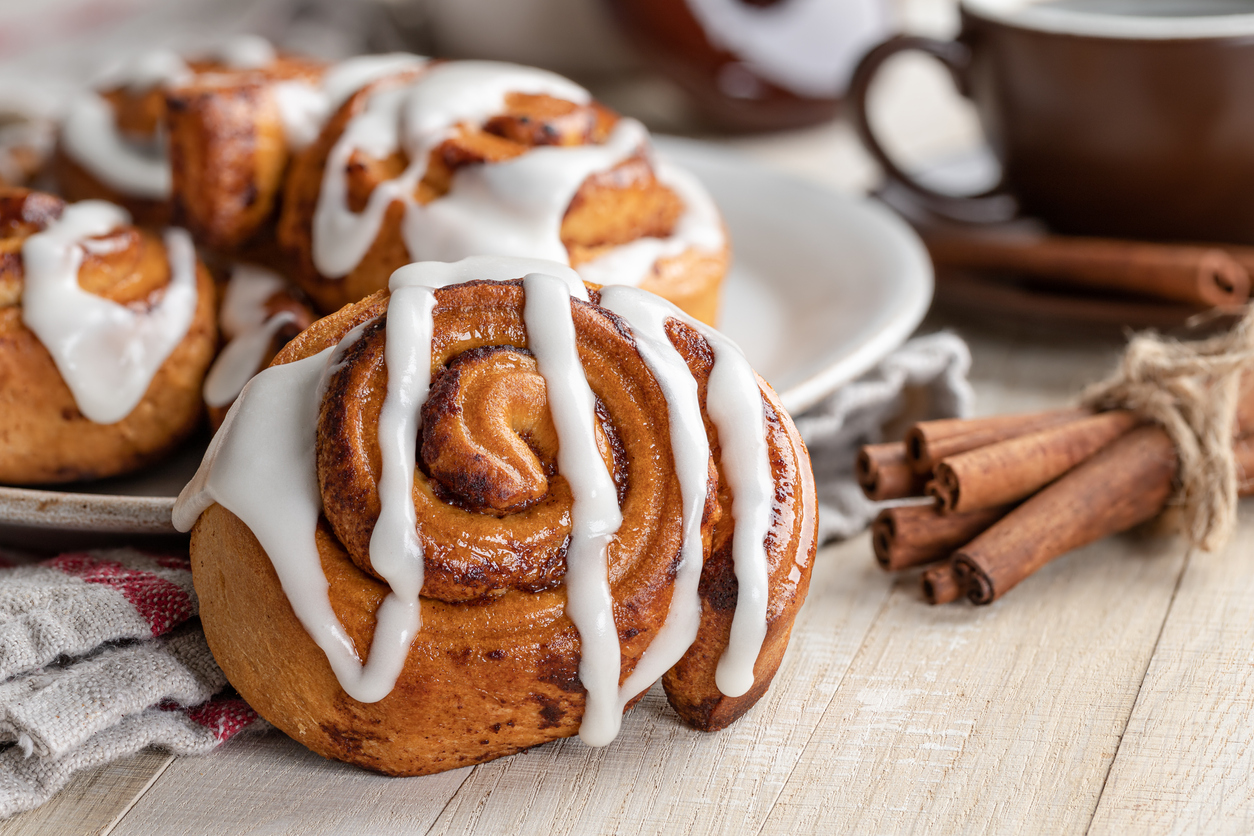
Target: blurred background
(768,75)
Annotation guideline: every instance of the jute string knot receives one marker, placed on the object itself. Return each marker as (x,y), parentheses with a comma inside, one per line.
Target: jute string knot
(1192,390)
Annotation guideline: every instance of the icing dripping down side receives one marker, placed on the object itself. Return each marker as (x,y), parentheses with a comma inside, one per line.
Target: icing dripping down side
(734,403)
(248,330)
(107,353)
(261,466)
(395,552)
(646,315)
(594,515)
(91,138)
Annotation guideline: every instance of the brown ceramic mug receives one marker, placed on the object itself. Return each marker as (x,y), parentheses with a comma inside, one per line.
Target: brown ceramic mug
(1131,118)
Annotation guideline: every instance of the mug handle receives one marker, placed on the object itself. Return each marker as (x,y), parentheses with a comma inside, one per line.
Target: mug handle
(988,206)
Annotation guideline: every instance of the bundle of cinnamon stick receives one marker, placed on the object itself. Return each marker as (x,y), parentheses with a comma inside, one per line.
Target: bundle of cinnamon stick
(1011,493)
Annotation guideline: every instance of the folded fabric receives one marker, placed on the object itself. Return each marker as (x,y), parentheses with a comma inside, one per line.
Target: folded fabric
(101,656)
(926,378)
(74,603)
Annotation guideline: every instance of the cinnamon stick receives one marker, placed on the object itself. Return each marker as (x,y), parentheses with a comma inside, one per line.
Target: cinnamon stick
(1010,470)
(928,442)
(1124,484)
(1245,406)
(911,535)
(1243,448)
(941,585)
(1188,273)
(884,473)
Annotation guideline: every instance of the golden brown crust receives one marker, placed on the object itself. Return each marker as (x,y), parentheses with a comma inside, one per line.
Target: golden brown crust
(43,436)
(494,668)
(229,154)
(611,208)
(227,151)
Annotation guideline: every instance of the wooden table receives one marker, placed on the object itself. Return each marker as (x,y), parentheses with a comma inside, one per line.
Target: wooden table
(1110,693)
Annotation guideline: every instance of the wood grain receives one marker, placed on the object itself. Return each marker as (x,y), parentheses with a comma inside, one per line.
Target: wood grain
(93,801)
(1001,719)
(269,784)
(1186,763)
(661,776)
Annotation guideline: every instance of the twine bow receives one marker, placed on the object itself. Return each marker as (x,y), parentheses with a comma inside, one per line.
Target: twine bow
(1192,389)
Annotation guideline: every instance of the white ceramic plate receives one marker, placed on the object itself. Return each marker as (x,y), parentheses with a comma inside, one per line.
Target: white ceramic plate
(823,285)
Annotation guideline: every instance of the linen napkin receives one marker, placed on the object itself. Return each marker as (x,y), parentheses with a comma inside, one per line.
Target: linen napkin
(926,378)
(100,657)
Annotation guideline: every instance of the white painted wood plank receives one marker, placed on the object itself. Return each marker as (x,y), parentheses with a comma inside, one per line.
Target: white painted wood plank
(998,719)
(93,800)
(269,784)
(660,776)
(1186,762)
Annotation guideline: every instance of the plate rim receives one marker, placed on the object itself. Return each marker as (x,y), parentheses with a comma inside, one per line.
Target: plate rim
(36,508)
(918,273)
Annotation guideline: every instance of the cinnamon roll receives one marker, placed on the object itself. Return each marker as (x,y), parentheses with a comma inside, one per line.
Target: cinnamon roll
(489,509)
(106,332)
(199,140)
(458,158)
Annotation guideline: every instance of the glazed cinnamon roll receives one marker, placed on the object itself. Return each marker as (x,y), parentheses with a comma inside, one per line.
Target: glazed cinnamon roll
(488,510)
(199,140)
(106,332)
(461,158)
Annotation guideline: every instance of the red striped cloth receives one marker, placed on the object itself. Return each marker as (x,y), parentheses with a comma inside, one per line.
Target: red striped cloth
(101,656)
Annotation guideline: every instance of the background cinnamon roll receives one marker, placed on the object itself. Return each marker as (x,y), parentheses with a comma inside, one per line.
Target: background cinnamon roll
(105,335)
(260,312)
(201,140)
(474,515)
(461,158)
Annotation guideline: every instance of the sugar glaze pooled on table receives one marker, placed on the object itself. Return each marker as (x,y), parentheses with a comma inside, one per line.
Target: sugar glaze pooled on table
(261,467)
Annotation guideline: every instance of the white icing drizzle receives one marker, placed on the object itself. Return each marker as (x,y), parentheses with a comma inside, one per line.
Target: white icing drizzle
(91,138)
(107,353)
(149,69)
(248,330)
(511,208)
(246,52)
(261,466)
(240,359)
(734,403)
(244,303)
(594,515)
(304,107)
(646,314)
(395,552)
(416,117)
